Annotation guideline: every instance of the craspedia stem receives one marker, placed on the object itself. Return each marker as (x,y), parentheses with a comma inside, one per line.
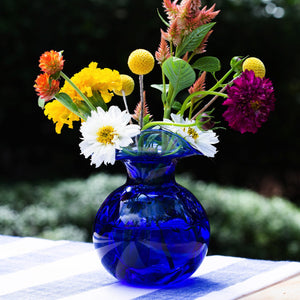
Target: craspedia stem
(141,82)
(125,104)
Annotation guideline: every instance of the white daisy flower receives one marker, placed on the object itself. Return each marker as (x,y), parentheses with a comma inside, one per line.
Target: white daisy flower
(200,140)
(105,132)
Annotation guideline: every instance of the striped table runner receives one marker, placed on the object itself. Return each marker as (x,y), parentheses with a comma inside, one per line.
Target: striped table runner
(32,268)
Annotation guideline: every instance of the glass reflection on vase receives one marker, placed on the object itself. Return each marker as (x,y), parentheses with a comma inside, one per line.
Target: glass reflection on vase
(152,231)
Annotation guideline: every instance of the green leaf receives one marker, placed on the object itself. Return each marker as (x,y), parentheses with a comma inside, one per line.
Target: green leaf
(41,103)
(66,100)
(208,64)
(146,119)
(176,105)
(162,19)
(84,109)
(97,100)
(180,74)
(194,39)
(160,87)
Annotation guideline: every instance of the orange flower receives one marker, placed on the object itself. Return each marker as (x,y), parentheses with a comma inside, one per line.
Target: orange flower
(51,62)
(44,89)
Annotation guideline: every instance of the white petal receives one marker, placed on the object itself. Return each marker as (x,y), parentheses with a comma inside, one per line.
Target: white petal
(177,118)
(102,153)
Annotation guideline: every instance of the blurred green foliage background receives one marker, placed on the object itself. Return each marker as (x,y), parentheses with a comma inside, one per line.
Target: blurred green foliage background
(242,222)
(106,31)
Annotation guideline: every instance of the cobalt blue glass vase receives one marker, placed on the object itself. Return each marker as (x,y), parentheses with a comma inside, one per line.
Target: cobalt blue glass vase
(152,231)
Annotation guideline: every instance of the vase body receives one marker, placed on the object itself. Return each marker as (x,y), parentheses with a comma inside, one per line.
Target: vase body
(151,230)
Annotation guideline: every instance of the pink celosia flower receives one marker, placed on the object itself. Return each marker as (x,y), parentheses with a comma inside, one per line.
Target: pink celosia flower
(44,89)
(138,110)
(202,46)
(174,33)
(199,84)
(250,100)
(185,18)
(185,57)
(191,7)
(163,52)
(171,8)
(207,15)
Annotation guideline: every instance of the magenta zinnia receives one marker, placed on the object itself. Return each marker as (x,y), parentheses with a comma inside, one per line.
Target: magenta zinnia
(250,100)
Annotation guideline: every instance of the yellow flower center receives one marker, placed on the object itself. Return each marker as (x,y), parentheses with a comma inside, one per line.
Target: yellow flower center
(255,105)
(193,133)
(106,135)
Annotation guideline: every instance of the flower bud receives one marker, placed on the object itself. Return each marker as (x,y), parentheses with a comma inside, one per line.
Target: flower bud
(236,63)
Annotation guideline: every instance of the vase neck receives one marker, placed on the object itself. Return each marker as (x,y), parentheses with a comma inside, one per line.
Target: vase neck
(156,171)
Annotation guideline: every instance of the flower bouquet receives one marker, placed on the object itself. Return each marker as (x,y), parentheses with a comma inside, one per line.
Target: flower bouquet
(151,230)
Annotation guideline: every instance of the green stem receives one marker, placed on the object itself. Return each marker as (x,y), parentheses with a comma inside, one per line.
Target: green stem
(163,96)
(169,102)
(196,105)
(125,104)
(166,250)
(155,123)
(209,92)
(221,80)
(213,99)
(141,82)
(85,99)
(171,48)
(191,107)
(207,105)
(193,54)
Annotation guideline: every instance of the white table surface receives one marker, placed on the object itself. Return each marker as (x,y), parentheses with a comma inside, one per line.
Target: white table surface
(32,268)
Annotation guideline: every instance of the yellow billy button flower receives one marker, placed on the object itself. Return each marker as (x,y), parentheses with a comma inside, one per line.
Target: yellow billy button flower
(141,62)
(127,85)
(256,65)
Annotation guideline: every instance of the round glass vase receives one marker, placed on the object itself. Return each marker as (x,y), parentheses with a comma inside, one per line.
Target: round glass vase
(152,231)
